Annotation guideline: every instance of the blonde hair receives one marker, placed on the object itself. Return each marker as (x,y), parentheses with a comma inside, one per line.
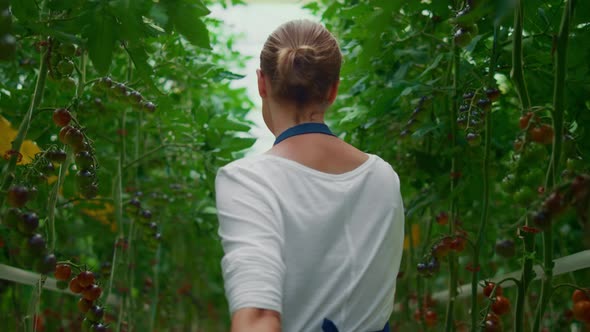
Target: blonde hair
(302,59)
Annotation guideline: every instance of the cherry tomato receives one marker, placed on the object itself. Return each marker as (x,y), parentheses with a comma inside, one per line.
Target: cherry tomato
(63,132)
(63,272)
(61,117)
(458,243)
(501,305)
(582,311)
(84,305)
(493,94)
(86,278)
(487,290)
(95,313)
(580,295)
(441,249)
(542,134)
(442,218)
(18,196)
(430,318)
(75,286)
(524,120)
(92,293)
(554,204)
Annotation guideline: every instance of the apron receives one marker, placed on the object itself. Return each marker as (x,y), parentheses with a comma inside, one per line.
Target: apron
(328,326)
(315,128)
(304,128)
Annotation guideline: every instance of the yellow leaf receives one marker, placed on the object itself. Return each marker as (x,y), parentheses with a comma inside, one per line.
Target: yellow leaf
(7,134)
(415,237)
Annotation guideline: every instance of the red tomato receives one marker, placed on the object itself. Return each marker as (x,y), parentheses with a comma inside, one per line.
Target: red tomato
(582,311)
(580,295)
(442,218)
(430,318)
(85,278)
(487,290)
(458,244)
(75,286)
(524,120)
(501,305)
(63,272)
(92,293)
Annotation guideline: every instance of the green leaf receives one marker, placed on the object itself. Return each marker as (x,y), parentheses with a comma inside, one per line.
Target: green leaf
(101,41)
(433,65)
(222,74)
(225,124)
(237,143)
(140,60)
(186,18)
(25,10)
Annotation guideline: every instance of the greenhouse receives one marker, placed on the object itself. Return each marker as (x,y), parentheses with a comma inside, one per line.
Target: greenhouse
(295,166)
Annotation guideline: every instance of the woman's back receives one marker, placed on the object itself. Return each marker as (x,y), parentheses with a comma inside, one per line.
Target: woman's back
(340,233)
(312,230)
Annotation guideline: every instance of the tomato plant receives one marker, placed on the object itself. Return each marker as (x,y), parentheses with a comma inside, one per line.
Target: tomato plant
(473,115)
(115,117)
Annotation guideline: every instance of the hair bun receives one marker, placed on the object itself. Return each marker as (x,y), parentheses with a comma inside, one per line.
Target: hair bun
(302,60)
(292,63)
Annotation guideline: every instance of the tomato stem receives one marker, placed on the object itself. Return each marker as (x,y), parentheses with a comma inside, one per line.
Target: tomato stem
(552,171)
(486,190)
(517,72)
(517,75)
(453,210)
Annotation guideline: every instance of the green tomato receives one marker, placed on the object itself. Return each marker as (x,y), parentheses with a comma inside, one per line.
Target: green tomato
(67,49)
(524,195)
(509,183)
(65,67)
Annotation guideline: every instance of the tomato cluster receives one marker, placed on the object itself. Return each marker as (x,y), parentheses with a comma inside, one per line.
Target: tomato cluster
(25,223)
(61,64)
(83,283)
(73,136)
(576,194)
(119,92)
(465,27)
(536,130)
(581,309)
(144,218)
(418,115)
(472,113)
(439,251)
(427,313)
(500,306)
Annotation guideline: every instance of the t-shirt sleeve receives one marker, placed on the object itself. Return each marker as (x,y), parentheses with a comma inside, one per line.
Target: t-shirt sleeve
(252,239)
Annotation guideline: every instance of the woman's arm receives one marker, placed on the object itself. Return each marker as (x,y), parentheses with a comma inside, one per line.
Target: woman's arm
(256,320)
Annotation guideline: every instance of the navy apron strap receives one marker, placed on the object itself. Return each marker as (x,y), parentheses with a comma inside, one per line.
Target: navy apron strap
(304,128)
(329,326)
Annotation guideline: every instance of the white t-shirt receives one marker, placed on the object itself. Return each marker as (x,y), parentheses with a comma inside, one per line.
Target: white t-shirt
(311,245)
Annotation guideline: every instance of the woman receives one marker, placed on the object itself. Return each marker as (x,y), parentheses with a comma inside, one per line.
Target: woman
(312,230)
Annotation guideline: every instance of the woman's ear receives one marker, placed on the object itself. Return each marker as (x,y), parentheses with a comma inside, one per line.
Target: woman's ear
(261,84)
(333,92)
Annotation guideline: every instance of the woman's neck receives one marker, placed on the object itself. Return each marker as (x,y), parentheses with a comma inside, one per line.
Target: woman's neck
(285,116)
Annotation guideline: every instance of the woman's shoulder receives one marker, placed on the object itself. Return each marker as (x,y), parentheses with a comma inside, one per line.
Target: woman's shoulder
(247,162)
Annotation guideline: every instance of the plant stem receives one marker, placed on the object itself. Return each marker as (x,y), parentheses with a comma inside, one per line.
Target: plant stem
(517,72)
(486,194)
(557,116)
(24,126)
(452,215)
(517,75)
